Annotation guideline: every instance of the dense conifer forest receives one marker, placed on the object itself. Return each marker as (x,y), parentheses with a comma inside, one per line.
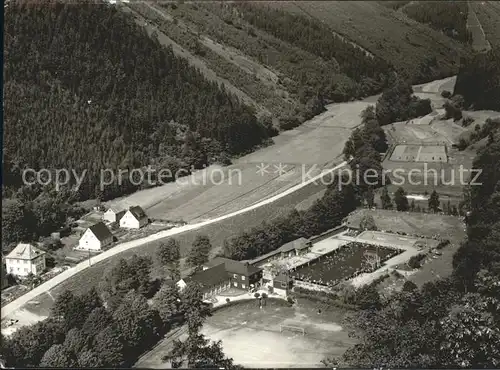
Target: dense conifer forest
(450,17)
(478,81)
(87,89)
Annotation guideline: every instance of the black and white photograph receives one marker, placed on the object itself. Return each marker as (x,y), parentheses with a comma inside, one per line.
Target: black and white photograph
(250,184)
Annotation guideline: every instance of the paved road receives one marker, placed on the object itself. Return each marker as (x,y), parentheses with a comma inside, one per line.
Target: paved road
(48,285)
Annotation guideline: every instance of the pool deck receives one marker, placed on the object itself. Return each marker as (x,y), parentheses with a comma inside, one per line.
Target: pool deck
(405,243)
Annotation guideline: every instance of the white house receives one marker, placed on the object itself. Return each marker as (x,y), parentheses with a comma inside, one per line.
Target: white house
(134,218)
(113,215)
(95,237)
(25,259)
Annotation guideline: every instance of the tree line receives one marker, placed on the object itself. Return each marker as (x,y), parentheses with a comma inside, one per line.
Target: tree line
(478,81)
(324,214)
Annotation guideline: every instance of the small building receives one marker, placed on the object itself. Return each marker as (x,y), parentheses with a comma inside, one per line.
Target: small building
(95,237)
(282,284)
(134,218)
(113,215)
(25,259)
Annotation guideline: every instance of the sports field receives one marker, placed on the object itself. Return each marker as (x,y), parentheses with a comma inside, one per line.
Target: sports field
(251,336)
(419,153)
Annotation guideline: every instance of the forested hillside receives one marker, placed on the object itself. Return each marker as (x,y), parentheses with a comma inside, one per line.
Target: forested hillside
(417,51)
(369,72)
(449,17)
(87,89)
(478,81)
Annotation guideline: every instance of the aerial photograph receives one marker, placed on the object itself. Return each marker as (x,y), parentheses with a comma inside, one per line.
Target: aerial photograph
(250,184)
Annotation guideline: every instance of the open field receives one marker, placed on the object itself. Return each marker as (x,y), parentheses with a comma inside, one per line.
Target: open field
(413,223)
(252,337)
(480,42)
(305,151)
(419,153)
(396,241)
(488,14)
(341,264)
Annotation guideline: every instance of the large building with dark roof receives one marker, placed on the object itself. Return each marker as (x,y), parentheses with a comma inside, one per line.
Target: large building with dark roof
(220,274)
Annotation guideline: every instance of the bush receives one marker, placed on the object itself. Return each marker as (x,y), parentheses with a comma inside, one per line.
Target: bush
(290,299)
(452,111)
(256,295)
(289,123)
(442,244)
(416,261)
(228,300)
(467,121)
(409,286)
(368,298)
(446,94)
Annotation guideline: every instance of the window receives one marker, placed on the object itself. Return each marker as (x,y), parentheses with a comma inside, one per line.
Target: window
(242,278)
(243,286)
(235,276)
(235,284)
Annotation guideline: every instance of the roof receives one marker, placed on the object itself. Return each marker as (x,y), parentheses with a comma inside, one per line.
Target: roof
(120,214)
(210,277)
(116,210)
(138,212)
(25,251)
(233,267)
(299,243)
(101,231)
(281,278)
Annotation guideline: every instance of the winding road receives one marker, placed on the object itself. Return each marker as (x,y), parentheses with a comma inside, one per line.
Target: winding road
(19,302)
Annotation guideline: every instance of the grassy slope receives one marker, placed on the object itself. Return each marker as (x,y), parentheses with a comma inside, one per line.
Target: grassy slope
(386,33)
(489,17)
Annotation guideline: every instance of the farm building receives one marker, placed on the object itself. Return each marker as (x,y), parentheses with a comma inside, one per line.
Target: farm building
(95,237)
(134,218)
(113,215)
(25,259)
(220,274)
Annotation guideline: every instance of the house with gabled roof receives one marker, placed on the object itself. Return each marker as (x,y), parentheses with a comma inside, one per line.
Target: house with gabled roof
(25,259)
(96,237)
(113,215)
(134,218)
